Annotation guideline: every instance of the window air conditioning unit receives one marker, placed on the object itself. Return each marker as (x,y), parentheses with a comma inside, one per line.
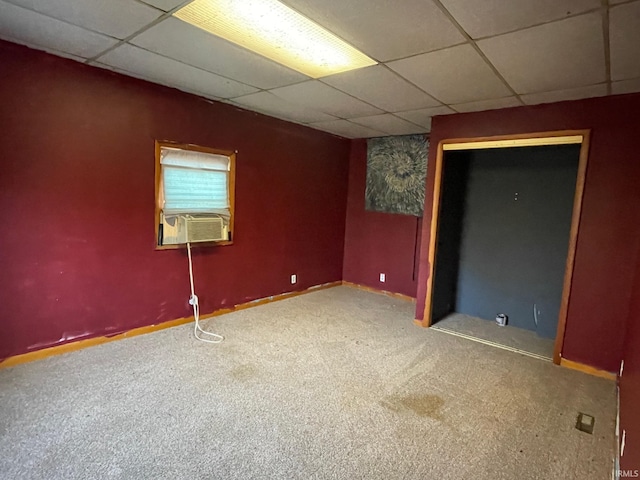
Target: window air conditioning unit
(181,229)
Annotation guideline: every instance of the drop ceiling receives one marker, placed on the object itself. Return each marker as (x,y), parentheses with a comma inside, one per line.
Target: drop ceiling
(436,57)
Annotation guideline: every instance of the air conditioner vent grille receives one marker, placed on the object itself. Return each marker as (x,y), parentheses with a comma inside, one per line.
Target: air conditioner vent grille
(205,229)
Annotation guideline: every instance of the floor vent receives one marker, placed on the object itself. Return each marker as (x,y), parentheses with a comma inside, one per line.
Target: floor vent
(585,423)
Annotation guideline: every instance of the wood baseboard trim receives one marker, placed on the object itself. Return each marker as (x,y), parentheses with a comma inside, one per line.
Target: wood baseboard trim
(90,342)
(581,367)
(378,291)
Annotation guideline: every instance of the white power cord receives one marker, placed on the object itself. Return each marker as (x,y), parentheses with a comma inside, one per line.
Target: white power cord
(193,301)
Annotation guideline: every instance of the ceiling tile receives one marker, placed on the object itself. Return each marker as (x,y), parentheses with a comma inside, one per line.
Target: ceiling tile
(389,124)
(153,80)
(169,72)
(318,96)
(165,5)
(446,75)
(374,84)
(488,104)
(383,29)
(269,104)
(493,17)
(555,56)
(426,124)
(423,116)
(344,128)
(624,38)
(28,27)
(140,76)
(570,94)
(179,40)
(52,51)
(116,18)
(626,86)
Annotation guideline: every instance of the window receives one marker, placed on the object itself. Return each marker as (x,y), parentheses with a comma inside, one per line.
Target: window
(194,195)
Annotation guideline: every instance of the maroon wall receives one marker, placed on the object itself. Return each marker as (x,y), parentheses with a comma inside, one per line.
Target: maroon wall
(377,242)
(77,199)
(603,273)
(630,383)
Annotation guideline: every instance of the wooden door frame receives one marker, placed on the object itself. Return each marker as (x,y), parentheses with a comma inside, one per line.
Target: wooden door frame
(562,137)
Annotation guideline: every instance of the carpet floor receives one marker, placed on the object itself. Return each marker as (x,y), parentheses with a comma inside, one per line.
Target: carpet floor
(507,336)
(334,384)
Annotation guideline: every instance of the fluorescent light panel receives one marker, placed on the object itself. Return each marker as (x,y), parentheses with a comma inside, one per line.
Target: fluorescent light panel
(275,31)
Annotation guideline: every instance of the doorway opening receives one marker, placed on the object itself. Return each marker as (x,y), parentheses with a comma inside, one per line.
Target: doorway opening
(503,234)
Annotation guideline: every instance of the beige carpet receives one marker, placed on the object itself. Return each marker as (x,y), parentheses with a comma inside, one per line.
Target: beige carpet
(336,384)
(507,336)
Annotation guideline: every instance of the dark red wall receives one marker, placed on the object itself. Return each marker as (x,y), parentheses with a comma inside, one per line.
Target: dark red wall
(603,273)
(77,199)
(377,242)
(630,383)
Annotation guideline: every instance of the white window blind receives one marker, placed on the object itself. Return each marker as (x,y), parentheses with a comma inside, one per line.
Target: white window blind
(194,182)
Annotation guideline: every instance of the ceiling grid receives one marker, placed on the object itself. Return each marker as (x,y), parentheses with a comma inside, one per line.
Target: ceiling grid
(435,57)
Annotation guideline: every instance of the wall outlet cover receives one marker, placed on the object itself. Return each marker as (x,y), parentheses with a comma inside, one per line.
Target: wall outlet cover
(585,422)
(383,277)
(294,278)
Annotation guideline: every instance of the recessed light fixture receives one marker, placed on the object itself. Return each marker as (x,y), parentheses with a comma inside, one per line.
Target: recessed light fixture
(276,31)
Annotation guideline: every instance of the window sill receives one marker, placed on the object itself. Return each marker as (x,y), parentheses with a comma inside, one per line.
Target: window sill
(195,245)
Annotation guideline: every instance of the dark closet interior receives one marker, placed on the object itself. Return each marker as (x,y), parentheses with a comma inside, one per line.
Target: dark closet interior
(503,234)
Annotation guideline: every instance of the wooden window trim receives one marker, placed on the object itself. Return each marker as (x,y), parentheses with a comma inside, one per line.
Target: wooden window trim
(231,185)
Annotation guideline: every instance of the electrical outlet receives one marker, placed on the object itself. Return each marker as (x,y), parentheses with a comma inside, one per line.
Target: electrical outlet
(383,277)
(294,278)
(585,423)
